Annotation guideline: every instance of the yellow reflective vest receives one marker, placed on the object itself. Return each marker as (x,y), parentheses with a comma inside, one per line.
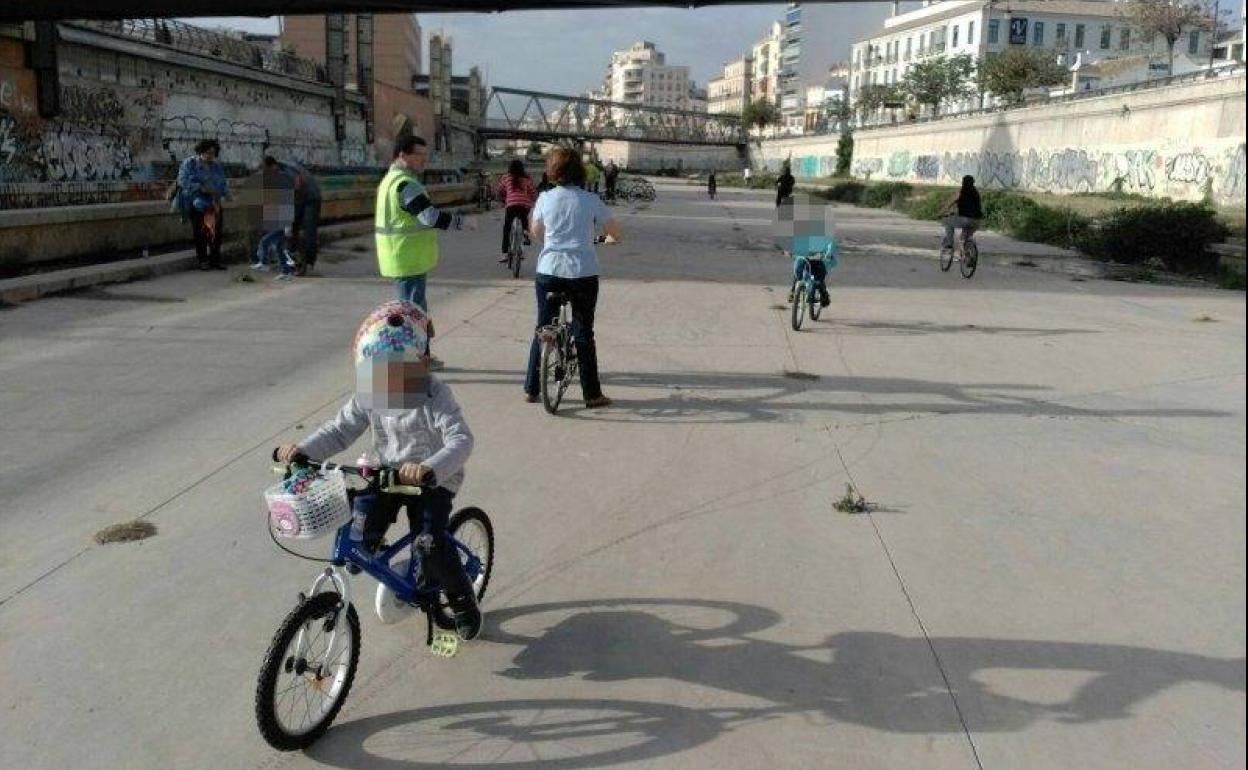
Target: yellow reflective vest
(405,245)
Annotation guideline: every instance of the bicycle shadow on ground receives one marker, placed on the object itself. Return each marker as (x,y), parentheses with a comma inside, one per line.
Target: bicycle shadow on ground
(734,397)
(879,680)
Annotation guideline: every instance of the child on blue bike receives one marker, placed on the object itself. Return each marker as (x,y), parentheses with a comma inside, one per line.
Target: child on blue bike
(802,230)
(417,427)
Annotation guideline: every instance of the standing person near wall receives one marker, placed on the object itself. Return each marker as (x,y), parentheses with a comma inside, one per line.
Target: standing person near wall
(202,188)
(746,175)
(784,184)
(711,185)
(591,175)
(307,207)
(611,174)
(406,223)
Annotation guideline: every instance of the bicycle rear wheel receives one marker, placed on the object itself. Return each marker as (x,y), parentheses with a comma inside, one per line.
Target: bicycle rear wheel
(553,371)
(798,311)
(970,258)
(515,247)
(304,682)
(812,301)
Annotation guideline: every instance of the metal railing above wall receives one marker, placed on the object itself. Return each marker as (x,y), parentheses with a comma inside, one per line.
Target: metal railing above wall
(189,38)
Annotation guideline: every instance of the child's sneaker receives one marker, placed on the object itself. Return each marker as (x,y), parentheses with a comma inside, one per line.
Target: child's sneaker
(467,616)
(259,266)
(284,277)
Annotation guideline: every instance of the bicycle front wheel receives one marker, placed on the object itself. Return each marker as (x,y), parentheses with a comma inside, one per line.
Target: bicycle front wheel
(970,259)
(798,310)
(552,373)
(307,672)
(475,535)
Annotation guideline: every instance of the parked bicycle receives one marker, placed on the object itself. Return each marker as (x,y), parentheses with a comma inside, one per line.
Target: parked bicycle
(967,254)
(312,660)
(805,293)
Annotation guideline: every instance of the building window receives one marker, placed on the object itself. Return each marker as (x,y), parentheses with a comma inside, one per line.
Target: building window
(994,31)
(1061,33)
(1037,33)
(1193,42)
(1106,32)
(970,33)
(956,30)
(909,41)
(1124,42)
(1079,36)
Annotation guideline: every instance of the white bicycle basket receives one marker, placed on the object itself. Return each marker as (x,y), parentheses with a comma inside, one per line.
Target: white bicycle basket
(321,508)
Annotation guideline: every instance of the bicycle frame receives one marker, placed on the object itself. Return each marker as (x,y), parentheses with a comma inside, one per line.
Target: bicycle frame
(808,281)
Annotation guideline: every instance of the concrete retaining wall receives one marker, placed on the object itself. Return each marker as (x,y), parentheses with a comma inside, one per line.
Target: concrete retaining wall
(29,237)
(638,156)
(130,111)
(1183,141)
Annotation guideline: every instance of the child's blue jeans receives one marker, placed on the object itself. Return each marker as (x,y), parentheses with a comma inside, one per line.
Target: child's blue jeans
(273,245)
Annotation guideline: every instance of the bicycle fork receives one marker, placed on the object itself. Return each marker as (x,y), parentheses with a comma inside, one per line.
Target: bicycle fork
(335,576)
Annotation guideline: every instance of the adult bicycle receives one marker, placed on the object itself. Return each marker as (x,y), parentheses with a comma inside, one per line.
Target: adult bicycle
(515,247)
(311,662)
(559,364)
(967,254)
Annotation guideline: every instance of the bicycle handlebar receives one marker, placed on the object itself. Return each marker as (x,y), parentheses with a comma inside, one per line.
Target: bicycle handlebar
(384,476)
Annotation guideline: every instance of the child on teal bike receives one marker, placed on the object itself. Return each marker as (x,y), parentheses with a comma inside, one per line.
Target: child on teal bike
(802,230)
(417,427)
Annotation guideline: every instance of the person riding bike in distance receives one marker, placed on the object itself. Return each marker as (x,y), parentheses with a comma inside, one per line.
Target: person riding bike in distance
(963,210)
(416,426)
(804,229)
(518,194)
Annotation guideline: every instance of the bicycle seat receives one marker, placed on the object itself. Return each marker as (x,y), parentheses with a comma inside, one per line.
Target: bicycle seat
(556,296)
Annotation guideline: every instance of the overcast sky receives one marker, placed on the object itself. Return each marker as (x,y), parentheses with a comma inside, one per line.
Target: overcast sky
(568,51)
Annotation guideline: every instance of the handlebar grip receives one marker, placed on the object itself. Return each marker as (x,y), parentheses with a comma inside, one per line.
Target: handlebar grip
(404,489)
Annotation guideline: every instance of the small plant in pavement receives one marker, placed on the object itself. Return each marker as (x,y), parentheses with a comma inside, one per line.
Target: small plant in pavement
(852,502)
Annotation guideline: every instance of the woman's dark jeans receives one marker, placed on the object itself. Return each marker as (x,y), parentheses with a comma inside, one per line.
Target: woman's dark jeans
(511,213)
(584,295)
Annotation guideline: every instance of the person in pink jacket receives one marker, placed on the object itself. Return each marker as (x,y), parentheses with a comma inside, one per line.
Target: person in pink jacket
(518,194)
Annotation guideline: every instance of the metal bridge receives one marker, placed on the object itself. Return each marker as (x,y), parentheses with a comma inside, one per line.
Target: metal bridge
(513,113)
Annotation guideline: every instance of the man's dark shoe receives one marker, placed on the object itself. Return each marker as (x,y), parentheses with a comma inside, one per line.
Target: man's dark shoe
(824,299)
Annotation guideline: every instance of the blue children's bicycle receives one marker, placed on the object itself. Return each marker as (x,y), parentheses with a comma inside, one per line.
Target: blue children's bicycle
(312,659)
(805,293)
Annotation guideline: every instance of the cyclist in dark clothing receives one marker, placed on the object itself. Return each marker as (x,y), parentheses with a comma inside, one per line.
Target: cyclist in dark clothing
(784,184)
(964,211)
(711,185)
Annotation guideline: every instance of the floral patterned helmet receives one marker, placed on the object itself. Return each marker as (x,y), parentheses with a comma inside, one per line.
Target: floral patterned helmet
(393,330)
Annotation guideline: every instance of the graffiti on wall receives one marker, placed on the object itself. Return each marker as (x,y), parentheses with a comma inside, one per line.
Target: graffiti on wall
(1191,173)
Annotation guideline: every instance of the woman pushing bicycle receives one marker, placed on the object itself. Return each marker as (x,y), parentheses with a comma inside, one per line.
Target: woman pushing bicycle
(417,427)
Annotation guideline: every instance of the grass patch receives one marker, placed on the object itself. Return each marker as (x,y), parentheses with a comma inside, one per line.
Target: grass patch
(1205,319)
(1229,279)
(126,532)
(779,307)
(851,502)
(1024,263)
(246,278)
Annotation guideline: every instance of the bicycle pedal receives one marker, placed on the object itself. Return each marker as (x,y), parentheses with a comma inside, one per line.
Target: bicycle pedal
(444,644)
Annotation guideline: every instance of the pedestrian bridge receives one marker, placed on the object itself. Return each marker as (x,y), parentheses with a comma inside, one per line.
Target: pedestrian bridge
(513,113)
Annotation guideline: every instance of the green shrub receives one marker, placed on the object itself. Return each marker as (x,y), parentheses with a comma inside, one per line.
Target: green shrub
(885,193)
(929,205)
(846,192)
(1021,217)
(1176,234)
(762,180)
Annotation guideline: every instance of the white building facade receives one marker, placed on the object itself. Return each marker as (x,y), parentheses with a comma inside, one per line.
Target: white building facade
(1075,31)
(730,92)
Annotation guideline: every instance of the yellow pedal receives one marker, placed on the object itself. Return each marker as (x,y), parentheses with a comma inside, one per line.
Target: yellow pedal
(445,644)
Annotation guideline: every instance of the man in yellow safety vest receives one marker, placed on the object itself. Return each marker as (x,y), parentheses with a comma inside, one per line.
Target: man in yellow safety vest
(406,222)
